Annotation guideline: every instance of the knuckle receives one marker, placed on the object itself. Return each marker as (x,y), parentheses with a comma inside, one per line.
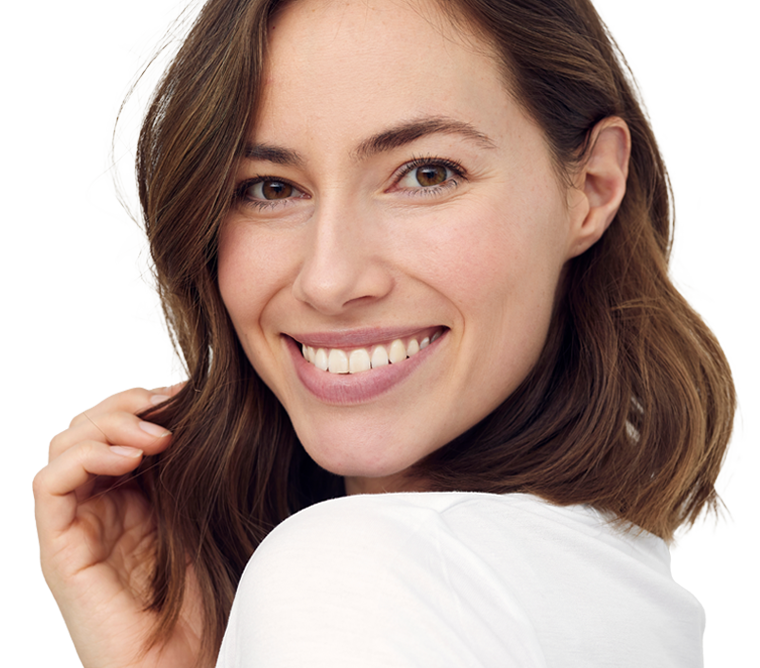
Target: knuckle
(122,420)
(57,443)
(85,450)
(76,420)
(137,395)
(113,427)
(39,483)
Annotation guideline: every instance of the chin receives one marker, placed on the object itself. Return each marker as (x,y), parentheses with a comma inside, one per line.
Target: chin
(363,457)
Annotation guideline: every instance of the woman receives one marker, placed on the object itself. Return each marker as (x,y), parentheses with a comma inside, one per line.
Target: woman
(458,285)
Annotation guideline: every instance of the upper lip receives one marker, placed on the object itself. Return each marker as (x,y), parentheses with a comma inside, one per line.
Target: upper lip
(357,338)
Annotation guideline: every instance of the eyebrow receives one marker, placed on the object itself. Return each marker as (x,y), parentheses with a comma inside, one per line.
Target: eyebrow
(276,154)
(409,131)
(395,137)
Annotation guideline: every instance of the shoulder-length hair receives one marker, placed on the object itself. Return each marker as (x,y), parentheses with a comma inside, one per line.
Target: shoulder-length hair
(629,408)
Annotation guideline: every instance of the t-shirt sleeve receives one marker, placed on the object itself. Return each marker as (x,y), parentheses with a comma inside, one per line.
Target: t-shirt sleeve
(353,582)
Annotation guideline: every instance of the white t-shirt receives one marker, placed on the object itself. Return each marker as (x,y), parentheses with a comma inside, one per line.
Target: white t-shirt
(439,580)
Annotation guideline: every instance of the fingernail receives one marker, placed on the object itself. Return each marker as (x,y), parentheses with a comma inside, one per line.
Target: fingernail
(159,398)
(154,429)
(126,451)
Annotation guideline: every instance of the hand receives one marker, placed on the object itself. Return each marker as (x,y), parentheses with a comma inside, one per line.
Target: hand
(97,537)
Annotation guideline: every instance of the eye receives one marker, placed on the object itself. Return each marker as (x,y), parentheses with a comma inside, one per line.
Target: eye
(431,175)
(269,189)
(427,174)
(265,192)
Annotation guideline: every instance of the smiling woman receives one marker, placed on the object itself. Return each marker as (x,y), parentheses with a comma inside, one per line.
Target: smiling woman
(414,247)
(355,255)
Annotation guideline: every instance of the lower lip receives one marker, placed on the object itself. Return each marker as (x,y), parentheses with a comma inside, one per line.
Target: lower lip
(345,389)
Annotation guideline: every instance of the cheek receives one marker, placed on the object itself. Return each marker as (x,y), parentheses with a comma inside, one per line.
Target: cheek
(250,273)
(496,256)
(234,272)
(499,266)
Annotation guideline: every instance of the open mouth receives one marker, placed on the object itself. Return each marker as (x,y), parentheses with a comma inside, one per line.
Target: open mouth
(358,360)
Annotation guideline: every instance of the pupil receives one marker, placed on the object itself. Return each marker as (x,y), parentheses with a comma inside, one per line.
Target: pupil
(276,190)
(431,175)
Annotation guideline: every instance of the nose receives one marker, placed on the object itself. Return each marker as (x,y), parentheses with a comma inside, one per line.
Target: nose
(343,264)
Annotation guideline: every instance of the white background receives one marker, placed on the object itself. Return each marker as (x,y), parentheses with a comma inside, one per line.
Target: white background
(86,283)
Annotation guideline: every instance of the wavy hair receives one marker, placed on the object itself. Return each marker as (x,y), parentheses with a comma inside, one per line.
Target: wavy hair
(629,408)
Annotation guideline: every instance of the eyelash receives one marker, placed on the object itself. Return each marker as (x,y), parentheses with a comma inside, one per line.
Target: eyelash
(451,182)
(240,192)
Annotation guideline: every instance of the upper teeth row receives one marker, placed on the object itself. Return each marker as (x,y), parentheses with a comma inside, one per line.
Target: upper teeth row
(336,360)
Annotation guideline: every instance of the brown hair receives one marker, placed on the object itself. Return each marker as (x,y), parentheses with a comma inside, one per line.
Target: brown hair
(629,407)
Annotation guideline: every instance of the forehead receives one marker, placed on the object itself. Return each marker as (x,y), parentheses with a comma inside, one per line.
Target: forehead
(373,59)
(327,18)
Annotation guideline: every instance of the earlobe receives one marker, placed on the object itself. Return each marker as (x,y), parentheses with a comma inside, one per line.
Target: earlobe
(600,183)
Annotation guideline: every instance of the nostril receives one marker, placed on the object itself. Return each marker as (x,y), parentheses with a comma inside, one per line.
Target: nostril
(333,287)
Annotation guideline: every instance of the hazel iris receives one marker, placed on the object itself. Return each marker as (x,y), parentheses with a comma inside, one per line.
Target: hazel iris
(430,175)
(276,190)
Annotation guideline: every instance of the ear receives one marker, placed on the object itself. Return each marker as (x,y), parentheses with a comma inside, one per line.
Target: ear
(599,184)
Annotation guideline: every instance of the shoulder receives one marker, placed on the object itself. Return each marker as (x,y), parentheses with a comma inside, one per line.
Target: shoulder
(454,540)
(370,519)
(382,526)
(358,517)
(459,579)
(438,531)
(377,580)
(343,545)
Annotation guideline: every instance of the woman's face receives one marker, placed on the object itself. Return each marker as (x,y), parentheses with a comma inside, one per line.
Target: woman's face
(397,217)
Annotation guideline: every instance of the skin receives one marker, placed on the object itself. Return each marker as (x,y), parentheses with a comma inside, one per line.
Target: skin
(96,539)
(354,247)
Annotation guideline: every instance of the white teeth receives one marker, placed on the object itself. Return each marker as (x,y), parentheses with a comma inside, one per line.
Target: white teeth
(379,357)
(358,361)
(397,352)
(413,348)
(320,359)
(338,361)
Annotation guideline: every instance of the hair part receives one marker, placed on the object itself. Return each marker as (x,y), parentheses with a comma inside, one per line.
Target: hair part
(629,408)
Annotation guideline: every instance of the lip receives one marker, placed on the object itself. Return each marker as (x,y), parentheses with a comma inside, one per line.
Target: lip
(355,388)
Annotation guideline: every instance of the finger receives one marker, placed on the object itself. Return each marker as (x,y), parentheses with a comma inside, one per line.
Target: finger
(118,428)
(135,400)
(55,486)
(129,401)
(171,390)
